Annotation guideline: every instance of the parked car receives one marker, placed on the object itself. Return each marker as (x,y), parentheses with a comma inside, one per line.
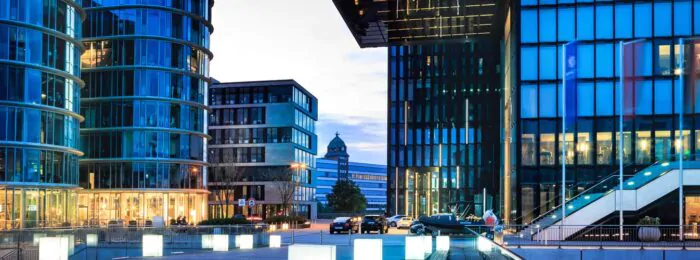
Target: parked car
(374,223)
(404,222)
(394,219)
(416,227)
(115,223)
(343,224)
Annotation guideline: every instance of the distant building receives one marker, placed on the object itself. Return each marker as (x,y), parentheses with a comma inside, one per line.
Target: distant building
(371,178)
(260,131)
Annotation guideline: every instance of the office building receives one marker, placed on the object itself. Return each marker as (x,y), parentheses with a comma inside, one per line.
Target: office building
(39,112)
(146,73)
(263,148)
(335,166)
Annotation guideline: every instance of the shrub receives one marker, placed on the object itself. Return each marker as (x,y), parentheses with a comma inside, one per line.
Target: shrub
(224,221)
(285,219)
(649,221)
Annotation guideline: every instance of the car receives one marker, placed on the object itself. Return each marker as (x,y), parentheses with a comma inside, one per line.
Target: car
(343,224)
(374,223)
(404,222)
(394,219)
(416,227)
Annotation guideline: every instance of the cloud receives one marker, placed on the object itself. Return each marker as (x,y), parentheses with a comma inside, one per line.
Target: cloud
(308,41)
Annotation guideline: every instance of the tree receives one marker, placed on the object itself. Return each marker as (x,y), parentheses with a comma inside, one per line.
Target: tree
(346,197)
(225,182)
(285,184)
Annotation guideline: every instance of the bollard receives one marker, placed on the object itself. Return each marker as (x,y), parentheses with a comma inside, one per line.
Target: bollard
(321,233)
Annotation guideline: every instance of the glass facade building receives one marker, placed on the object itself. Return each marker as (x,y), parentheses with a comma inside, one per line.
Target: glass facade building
(39,112)
(263,147)
(592,143)
(146,71)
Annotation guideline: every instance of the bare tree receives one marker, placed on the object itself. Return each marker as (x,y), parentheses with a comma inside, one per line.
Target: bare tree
(225,182)
(284,182)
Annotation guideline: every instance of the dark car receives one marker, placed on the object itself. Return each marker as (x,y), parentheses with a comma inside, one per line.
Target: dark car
(343,224)
(416,227)
(374,223)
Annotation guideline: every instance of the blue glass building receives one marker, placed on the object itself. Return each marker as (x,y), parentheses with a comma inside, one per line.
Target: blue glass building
(146,70)
(370,178)
(539,29)
(39,112)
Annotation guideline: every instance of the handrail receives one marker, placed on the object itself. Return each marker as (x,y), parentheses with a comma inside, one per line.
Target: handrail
(504,251)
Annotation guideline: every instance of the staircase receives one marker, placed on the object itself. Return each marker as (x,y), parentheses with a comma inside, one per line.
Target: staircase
(601,200)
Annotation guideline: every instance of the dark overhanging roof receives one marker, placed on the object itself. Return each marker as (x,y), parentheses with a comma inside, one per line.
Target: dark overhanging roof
(379,23)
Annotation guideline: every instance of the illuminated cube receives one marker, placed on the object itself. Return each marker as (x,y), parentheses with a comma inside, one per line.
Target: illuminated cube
(91,240)
(483,244)
(36,237)
(246,242)
(285,226)
(53,248)
(207,241)
(152,245)
(427,244)
(219,242)
(311,252)
(237,241)
(275,241)
(414,248)
(442,243)
(367,249)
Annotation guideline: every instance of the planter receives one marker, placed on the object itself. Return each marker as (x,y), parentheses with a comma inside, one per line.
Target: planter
(649,234)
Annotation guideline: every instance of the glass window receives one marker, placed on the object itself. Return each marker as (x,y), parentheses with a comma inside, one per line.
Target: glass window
(662,19)
(604,60)
(548,61)
(643,97)
(548,94)
(623,21)
(528,2)
(547,29)
(566,24)
(681,17)
(604,147)
(642,21)
(663,62)
(604,22)
(529,144)
(663,97)
(547,143)
(696,22)
(585,61)
(585,99)
(528,101)
(529,29)
(528,70)
(604,99)
(585,23)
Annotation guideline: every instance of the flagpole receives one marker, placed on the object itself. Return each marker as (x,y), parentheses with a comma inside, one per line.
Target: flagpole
(680,128)
(620,142)
(563,150)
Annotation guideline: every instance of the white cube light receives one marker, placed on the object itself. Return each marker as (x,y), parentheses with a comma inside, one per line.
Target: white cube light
(152,245)
(71,243)
(367,249)
(442,243)
(427,244)
(91,240)
(275,241)
(414,248)
(207,241)
(273,227)
(483,244)
(53,248)
(237,241)
(285,226)
(219,242)
(246,242)
(311,252)
(36,237)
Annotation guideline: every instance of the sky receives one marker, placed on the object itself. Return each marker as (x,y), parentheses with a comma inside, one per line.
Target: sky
(307,40)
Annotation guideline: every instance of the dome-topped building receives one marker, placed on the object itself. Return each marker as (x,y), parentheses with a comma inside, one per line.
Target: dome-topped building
(338,151)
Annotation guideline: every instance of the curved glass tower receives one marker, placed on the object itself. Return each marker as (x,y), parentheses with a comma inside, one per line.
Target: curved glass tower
(146,70)
(39,102)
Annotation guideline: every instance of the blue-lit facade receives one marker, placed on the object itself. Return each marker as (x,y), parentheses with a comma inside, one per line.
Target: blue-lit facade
(146,71)
(539,30)
(370,178)
(263,147)
(39,112)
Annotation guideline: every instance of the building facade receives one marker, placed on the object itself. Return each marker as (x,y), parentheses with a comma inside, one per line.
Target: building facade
(540,29)
(335,166)
(263,147)
(39,112)
(146,70)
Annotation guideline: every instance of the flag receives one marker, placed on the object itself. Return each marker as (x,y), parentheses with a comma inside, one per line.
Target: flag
(632,56)
(689,88)
(570,84)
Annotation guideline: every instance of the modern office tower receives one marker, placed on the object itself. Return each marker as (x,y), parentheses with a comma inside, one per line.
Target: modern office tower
(335,166)
(337,151)
(39,118)
(262,149)
(593,141)
(444,125)
(146,71)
